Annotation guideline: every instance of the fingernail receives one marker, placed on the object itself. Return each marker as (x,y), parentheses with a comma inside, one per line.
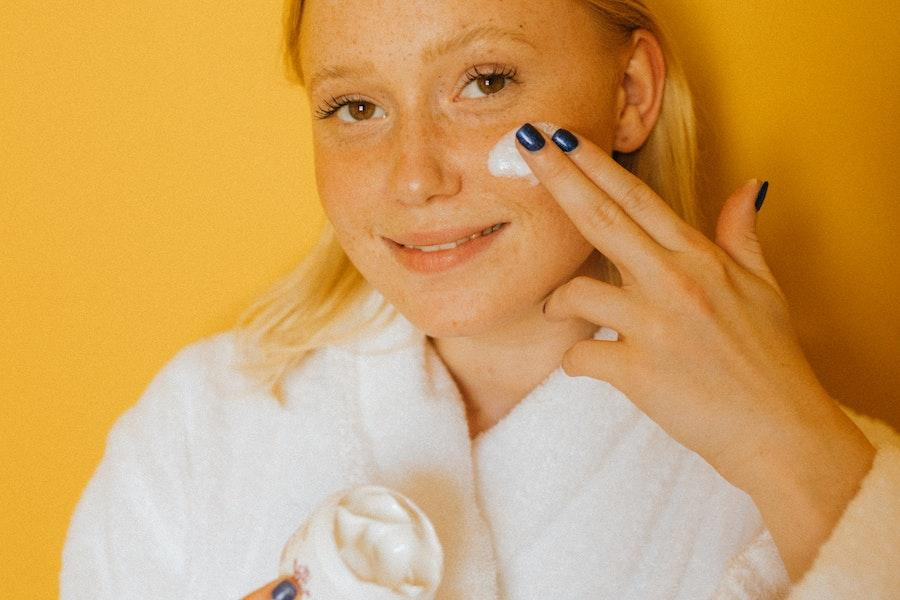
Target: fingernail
(761,195)
(284,591)
(530,137)
(565,139)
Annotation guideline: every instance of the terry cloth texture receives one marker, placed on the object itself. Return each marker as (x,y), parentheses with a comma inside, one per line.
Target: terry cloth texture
(574,494)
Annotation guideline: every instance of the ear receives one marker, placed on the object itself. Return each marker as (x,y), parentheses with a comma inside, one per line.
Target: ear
(640,92)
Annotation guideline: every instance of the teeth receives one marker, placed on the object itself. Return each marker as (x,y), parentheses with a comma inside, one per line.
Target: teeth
(457,243)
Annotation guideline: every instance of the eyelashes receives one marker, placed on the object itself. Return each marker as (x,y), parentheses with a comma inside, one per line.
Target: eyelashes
(334,104)
(496,70)
(507,72)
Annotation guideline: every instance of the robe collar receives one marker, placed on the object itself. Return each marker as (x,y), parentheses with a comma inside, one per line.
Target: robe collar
(415,420)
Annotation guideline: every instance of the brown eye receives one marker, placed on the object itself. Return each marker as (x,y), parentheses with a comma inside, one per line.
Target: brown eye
(353,110)
(361,110)
(491,84)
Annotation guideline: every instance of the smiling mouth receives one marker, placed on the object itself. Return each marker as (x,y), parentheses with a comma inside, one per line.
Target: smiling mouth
(457,243)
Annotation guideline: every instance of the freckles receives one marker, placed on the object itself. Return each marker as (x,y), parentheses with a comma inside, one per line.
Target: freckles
(504,159)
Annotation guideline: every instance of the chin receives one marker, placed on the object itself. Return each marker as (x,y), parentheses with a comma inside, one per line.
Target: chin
(456,320)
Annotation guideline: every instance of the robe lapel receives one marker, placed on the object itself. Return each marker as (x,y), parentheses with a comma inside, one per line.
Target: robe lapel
(414,418)
(589,498)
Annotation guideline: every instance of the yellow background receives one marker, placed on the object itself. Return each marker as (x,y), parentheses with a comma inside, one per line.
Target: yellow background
(155,175)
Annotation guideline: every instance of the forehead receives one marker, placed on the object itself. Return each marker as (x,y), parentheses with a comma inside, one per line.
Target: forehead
(396,15)
(337,31)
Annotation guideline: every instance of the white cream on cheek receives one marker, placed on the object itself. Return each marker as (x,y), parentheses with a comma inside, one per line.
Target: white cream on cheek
(504,159)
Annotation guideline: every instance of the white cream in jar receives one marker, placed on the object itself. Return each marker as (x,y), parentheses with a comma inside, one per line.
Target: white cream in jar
(366,543)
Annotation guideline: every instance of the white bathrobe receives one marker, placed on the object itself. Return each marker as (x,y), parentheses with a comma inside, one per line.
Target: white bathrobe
(575,494)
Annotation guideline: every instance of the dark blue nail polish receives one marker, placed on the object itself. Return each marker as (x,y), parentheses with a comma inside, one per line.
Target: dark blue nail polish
(530,137)
(761,195)
(565,139)
(284,591)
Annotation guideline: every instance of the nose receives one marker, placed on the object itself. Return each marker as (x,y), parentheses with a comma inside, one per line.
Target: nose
(422,167)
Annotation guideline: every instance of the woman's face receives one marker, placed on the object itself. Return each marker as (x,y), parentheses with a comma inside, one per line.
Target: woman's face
(404,157)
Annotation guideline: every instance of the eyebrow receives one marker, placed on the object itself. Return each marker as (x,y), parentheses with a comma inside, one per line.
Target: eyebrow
(465,38)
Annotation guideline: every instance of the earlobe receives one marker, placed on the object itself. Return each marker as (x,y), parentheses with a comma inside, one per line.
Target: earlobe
(640,92)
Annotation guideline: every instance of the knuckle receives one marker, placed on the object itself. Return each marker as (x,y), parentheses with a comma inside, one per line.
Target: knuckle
(636,196)
(578,287)
(708,261)
(604,215)
(695,241)
(693,294)
(568,294)
(715,263)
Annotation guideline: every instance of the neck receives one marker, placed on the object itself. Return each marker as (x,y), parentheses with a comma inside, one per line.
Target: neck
(494,371)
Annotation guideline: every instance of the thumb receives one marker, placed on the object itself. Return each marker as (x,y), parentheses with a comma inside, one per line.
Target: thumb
(736,229)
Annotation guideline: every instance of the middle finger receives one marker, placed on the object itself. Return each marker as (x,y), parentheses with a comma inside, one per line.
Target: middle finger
(600,220)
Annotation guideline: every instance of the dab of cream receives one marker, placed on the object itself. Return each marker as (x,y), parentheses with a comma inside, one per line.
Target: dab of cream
(504,159)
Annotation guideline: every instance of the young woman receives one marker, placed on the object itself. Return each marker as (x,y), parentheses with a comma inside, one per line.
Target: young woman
(588,397)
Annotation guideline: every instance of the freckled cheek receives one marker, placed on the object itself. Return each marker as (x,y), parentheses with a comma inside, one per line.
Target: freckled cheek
(346,183)
(545,219)
(356,223)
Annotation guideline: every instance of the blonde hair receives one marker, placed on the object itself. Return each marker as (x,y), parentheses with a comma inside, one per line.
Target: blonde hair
(324,301)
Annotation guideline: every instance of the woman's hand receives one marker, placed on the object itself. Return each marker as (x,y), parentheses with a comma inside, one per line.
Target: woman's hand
(283,588)
(705,344)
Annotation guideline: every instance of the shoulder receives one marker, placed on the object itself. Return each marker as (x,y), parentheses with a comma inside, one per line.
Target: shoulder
(210,377)
(210,357)
(201,373)
(207,383)
(207,362)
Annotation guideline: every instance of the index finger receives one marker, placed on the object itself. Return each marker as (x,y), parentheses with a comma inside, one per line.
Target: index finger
(597,216)
(634,196)
(638,199)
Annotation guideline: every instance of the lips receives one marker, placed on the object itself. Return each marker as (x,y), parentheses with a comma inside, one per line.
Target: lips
(436,259)
(441,236)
